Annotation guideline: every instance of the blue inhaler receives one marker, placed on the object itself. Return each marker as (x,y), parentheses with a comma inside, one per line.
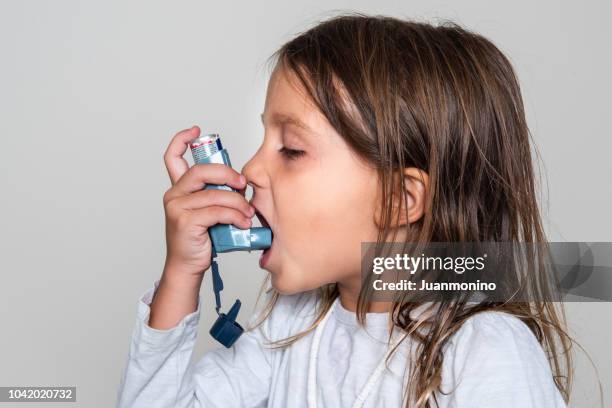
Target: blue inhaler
(226,238)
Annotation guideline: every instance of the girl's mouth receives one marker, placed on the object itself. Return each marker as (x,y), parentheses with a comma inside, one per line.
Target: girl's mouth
(263,259)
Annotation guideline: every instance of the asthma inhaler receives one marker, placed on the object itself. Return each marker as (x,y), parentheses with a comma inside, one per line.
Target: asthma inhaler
(226,237)
(207,148)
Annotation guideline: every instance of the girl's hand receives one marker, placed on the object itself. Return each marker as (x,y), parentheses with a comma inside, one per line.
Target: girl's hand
(190,211)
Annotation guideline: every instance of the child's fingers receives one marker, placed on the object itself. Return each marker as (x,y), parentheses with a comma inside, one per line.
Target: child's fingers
(216,214)
(173,158)
(242,191)
(198,175)
(214,197)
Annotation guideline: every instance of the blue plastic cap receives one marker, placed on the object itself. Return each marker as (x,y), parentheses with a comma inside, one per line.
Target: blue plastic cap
(226,330)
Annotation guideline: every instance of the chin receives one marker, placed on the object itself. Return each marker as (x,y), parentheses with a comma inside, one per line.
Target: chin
(285,285)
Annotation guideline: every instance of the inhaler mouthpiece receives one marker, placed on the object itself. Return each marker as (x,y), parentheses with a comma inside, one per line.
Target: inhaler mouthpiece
(261,238)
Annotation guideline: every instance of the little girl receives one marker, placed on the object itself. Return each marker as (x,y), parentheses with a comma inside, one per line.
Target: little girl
(376,130)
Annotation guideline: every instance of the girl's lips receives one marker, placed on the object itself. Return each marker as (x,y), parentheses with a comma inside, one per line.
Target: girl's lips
(263,259)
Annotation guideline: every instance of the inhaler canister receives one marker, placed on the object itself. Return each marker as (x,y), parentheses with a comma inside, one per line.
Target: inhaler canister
(207,148)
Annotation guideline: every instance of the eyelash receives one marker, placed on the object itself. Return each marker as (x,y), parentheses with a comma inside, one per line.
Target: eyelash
(291,154)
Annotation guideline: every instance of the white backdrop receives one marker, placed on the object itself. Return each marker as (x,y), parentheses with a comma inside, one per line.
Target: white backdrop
(92,92)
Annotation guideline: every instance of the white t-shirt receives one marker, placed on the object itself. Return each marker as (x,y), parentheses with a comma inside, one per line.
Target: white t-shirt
(492,361)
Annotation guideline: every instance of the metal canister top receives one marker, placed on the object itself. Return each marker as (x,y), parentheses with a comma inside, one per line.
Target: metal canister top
(205,146)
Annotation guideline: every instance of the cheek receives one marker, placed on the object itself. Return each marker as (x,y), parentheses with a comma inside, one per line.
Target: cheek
(303,219)
(324,230)
(348,223)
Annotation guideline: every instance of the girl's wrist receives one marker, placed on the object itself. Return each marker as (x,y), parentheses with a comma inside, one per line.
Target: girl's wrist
(176,297)
(182,283)
(180,275)
(171,302)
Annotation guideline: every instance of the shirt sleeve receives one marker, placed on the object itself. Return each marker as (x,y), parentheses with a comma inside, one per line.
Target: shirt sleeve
(160,372)
(495,360)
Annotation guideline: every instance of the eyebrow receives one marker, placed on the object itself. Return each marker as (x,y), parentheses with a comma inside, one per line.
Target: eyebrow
(283,118)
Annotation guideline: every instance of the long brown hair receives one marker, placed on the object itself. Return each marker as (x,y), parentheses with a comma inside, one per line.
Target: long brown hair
(445,100)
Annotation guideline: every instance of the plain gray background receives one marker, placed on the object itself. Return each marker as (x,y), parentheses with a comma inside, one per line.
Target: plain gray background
(92,92)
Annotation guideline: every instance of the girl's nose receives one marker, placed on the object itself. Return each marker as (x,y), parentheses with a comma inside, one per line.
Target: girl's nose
(254,171)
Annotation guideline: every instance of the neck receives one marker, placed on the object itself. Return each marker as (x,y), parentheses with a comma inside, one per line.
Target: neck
(349,293)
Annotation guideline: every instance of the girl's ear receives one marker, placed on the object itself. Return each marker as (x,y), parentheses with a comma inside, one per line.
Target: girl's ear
(416,187)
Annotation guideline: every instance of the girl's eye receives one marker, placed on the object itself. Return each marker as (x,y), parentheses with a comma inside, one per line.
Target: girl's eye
(291,154)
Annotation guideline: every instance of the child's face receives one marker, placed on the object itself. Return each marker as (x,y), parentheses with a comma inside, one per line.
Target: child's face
(320,204)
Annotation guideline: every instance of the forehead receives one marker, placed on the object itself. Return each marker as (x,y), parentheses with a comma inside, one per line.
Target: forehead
(287,98)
